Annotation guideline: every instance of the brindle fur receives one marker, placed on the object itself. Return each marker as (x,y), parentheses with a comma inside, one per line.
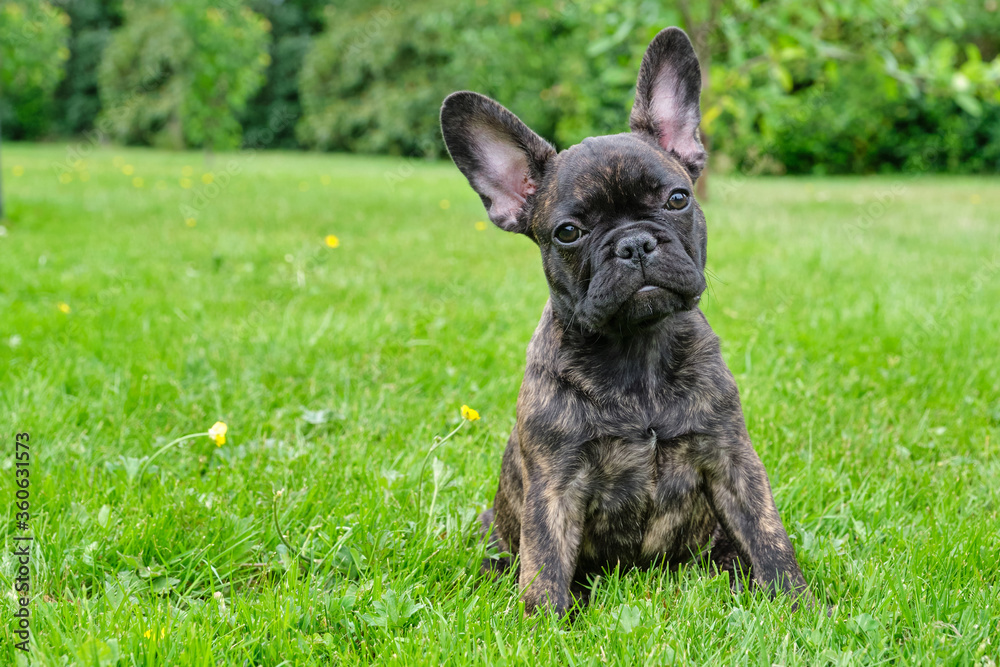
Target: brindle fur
(630,446)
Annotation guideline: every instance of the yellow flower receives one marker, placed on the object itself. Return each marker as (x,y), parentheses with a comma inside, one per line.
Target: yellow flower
(469,413)
(218,433)
(187,170)
(64,307)
(481,226)
(186,183)
(325,179)
(18,170)
(975,199)
(149,633)
(65,177)
(138,182)
(190,222)
(207,178)
(332,241)
(128,170)
(445,204)
(515,19)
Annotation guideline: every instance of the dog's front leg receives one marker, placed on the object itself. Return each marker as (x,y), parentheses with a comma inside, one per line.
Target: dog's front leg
(551,528)
(740,493)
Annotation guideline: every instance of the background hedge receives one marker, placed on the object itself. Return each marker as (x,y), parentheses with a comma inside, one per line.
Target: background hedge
(800,86)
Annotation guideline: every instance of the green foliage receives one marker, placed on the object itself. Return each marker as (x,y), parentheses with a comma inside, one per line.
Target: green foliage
(180,73)
(861,120)
(275,109)
(375,79)
(875,85)
(90,30)
(846,86)
(821,86)
(33,38)
(371,81)
(79,97)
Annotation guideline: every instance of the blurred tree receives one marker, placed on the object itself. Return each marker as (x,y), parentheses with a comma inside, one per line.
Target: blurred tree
(33,38)
(78,99)
(276,108)
(375,79)
(370,80)
(178,73)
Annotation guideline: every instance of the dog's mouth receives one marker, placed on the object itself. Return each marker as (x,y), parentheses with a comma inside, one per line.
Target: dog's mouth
(650,304)
(688,301)
(626,303)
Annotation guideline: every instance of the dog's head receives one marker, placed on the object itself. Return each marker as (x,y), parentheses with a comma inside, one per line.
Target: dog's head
(621,235)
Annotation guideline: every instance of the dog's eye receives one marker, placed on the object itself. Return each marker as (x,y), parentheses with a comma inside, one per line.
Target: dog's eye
(567,234)
(678,200)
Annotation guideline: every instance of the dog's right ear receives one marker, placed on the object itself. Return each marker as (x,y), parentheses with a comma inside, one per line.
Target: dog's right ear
(503,159)
(668,98)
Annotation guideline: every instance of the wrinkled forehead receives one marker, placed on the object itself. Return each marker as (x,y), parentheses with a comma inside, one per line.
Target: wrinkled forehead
(614,172)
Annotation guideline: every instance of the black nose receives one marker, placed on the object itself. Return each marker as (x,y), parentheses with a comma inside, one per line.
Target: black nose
(635,247)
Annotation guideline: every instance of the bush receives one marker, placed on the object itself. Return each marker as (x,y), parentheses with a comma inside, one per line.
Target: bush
(33,38)
(374,81)
(847,86)
(79,97)
(179,73)
(367,72)
(276,107)
(862,121)
(90,30)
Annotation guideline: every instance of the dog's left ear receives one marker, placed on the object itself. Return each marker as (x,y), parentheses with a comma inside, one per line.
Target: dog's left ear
(667,98)
(503,159)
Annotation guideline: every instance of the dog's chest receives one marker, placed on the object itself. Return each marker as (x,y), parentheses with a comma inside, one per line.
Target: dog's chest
(644,501)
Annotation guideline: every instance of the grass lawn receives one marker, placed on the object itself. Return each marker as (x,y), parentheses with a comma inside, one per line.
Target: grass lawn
(859,315)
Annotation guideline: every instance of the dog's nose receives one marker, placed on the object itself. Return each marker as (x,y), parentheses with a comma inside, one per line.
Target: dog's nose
(635,247)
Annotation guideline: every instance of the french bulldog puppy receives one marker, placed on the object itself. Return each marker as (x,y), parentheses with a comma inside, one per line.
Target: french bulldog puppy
(630,446)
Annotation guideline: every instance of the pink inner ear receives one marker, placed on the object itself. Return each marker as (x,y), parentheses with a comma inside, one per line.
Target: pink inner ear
(676,123)
(505,177)
(528,185)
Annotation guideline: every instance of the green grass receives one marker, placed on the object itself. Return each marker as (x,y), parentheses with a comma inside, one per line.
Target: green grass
(868,356)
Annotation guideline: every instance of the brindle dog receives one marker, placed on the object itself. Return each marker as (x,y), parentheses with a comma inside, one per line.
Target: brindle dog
(630,446)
